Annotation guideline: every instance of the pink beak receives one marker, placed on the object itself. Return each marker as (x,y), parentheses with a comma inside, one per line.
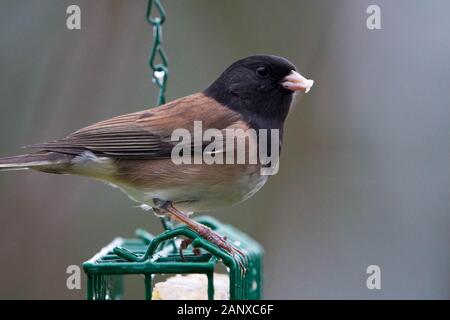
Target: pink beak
(296,82)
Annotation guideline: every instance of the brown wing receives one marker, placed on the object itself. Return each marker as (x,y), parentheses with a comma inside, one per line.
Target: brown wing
(144,134)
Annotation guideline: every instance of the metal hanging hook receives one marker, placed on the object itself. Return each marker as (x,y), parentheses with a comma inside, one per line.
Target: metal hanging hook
(160,70)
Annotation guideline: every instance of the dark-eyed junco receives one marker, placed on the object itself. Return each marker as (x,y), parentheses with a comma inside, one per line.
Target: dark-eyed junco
(135,152)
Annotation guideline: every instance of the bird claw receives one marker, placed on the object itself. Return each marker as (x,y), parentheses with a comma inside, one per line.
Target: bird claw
(183,246)
(206,233)
(197,252)
(239,257)
(220,241)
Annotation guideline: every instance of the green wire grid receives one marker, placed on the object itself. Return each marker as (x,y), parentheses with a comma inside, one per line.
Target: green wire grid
(148,255)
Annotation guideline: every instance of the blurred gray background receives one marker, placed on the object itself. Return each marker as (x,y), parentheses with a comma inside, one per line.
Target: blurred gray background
(364,173)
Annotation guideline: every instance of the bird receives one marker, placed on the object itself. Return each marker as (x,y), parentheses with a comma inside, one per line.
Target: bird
(134,152)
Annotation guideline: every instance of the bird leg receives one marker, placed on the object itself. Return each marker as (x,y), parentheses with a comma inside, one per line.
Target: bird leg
(204,231)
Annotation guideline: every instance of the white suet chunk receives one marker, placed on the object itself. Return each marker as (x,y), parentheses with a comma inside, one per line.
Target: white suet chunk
(191,287)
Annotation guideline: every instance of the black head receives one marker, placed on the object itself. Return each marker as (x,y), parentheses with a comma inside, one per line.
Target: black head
(253,86)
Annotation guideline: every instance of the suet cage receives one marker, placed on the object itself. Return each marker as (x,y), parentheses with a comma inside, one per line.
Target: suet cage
(149,255)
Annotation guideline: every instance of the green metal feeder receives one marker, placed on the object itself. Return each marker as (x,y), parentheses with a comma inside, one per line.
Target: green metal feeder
(148,255)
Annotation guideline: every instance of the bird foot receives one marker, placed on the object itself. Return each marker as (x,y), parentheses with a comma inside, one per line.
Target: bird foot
(183,246)
(205,232)
(220,241)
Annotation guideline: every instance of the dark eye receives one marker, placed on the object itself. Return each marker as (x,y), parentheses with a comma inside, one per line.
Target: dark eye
(262,72)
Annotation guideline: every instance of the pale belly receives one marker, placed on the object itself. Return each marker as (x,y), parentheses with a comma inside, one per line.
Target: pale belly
(190,188)
(191,198)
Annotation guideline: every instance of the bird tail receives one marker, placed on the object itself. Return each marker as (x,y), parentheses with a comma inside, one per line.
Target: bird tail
(45,161)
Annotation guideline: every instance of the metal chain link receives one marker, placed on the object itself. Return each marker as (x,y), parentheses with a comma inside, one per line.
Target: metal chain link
(160,70)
